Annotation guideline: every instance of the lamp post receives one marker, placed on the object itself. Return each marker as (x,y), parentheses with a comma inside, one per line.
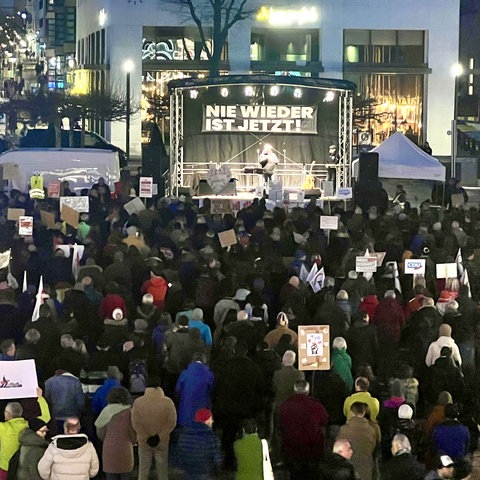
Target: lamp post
(127,67)
(456,71)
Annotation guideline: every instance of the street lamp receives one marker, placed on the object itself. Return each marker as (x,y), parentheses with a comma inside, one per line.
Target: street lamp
(128,66)
(456,70)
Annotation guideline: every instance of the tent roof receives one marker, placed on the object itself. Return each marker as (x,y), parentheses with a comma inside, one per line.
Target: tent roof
(399,157)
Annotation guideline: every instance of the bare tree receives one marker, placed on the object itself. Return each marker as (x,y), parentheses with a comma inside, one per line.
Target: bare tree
(217,16)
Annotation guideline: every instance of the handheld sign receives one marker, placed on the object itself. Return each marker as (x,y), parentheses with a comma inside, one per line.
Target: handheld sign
(314,347)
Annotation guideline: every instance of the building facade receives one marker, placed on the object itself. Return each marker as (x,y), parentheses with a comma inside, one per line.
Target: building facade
(398,53)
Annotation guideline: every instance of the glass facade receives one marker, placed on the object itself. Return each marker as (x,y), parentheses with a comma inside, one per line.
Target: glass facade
(389,68)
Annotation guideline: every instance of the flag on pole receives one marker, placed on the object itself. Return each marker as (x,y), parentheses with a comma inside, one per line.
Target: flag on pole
(40,297)
(77,255)
(318,281)
(396,277)
(303,275)
(312,273)
(459,262)
(367,275)
(464,280)
(24,286)
(5,259)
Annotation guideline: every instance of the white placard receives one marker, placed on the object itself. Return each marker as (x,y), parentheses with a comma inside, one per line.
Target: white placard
(446,270)
(134,206)
(145,187)
(25,226)
(5,258)
(18,379)
(366,264)
(329,222)
(344,193)
(80,204)
(415,266)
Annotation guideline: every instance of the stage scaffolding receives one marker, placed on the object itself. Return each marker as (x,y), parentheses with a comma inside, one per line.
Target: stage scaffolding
(182,173)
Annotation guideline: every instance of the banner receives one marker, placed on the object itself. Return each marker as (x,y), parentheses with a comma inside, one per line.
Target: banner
(79,204)
(260,118)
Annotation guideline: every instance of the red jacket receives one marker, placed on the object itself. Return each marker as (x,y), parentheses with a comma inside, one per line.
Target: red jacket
(158,287)
(389,321)
(369,305)
(302,419)
(109,304)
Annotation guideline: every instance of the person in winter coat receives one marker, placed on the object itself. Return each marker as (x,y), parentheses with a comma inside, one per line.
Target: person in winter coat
(158,287)
(153,415)
(12,427)
(99,400)
(341,362)
(403,464)
(248,452)
(197,453)
(444,340)
(194,389)
(362,342)
(444,374)
(114,428)
(69,456)
(273,337)
(369,303)
(111,301)
(32,448)
(302,421)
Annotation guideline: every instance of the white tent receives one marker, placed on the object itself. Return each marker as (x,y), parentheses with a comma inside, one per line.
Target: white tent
(398,157)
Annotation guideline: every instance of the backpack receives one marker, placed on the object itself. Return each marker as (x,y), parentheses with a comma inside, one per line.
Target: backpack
(138,371)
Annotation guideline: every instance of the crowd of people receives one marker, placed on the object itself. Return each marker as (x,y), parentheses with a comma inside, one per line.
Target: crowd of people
(163,347)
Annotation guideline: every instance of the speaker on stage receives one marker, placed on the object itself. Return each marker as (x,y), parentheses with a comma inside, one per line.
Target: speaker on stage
(368,166)
(204,188)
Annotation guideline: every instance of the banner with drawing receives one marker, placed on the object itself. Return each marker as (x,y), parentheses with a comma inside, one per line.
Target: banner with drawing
(18,379)
(314,347)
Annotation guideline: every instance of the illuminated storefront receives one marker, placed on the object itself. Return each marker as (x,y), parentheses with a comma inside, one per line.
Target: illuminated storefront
(400,61)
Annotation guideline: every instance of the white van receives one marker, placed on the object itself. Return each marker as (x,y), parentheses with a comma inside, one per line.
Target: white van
(81,167)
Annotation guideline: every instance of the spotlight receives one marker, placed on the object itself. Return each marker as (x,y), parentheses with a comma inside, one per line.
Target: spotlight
(329,96)
(274,91)
(297,93)
(249,91)
(224,92)
(193,94)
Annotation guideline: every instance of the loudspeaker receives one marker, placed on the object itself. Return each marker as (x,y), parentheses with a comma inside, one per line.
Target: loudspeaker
(368,166)
(204,188)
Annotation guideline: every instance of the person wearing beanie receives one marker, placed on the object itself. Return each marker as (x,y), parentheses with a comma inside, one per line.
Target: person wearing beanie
(13,426)
(273,337)
(153,418)
(33,444)
(451,437)
(198,454)
(197,321)
(444,340)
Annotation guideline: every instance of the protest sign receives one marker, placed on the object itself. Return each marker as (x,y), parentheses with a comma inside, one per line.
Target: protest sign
(47,218)
(446,270)
(415,266)
(218,178)
(329,222)
(25,226)
(18,379)
(366,264)
(69,215)
(54,189)
(227,238)
(134,206)
(314,347)
(145,189)
(15,213)
(220,206)
(79,204)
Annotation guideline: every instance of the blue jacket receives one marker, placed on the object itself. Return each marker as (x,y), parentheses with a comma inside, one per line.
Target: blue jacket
(198,451)
(99,400)
(194,387)
(205,331)
(65,396)
(451,438)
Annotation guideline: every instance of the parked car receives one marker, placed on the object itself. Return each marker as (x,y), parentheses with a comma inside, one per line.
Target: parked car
(45,138)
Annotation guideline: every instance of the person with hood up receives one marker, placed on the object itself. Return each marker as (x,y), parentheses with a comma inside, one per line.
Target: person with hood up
(158,287)
(444,340)
(33,445)
(70,455)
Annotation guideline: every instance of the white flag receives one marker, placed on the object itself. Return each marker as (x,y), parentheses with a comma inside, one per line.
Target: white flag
(464,280)
(24,286)
(303,275)
(318,282)
(459,262)
(367,275)
(77,255)
(396,277)
(312,273)
(5,259)
(39,300)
